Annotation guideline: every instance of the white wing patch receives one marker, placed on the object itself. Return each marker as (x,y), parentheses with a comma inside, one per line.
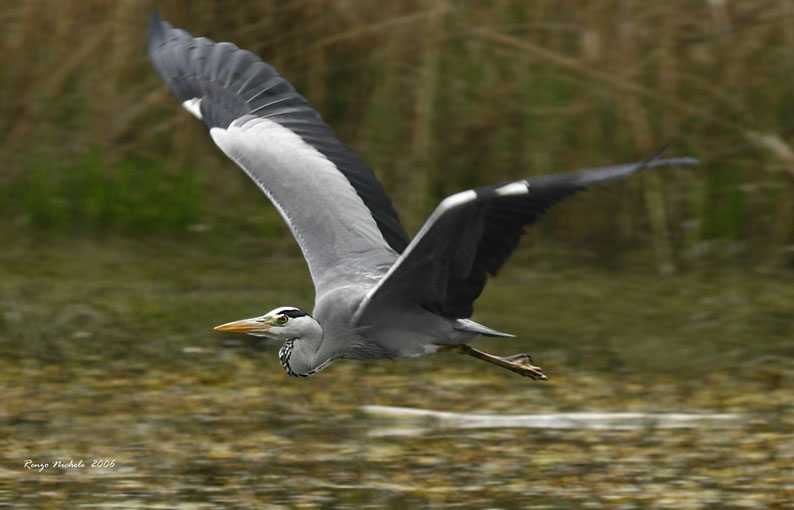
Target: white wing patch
(455,200)
(514,188)
(193,106)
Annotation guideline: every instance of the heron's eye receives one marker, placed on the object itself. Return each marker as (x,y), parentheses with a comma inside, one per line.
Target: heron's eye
(283,319)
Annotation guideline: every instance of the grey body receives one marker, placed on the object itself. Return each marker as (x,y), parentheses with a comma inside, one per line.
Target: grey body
(399,332)
(379,294)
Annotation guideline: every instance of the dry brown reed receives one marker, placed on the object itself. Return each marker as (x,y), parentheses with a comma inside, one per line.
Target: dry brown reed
(437,96)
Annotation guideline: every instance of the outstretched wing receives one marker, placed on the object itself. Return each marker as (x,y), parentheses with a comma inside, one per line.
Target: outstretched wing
(471,234)
(337,210)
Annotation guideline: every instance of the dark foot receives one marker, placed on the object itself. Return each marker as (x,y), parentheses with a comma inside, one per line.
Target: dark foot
(522,364)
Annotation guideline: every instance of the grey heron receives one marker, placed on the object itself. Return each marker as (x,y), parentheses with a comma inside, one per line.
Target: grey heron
(378,293)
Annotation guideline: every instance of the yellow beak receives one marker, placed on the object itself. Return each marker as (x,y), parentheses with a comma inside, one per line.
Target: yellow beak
(246,326)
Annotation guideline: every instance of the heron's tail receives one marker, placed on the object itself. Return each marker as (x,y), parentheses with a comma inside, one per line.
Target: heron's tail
(474,327)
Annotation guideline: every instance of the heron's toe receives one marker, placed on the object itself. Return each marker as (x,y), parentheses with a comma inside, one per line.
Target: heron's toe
(524,366)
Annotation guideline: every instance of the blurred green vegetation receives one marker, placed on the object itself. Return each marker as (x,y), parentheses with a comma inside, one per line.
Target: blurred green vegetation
(137,196)
(437,96)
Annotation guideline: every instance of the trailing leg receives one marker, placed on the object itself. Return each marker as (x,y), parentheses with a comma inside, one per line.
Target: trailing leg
(518,363)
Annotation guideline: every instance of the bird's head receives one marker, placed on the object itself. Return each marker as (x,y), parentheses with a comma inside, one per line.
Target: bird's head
(300,332)
(284,323)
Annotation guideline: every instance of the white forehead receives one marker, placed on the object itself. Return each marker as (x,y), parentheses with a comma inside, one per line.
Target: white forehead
(282,309)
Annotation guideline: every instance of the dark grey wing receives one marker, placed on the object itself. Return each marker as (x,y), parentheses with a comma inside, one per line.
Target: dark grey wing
(337,210)
(470,235)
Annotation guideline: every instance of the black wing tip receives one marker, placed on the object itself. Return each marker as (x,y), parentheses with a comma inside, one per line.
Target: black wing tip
(157,29)
(679,161)
(684,161)
(655,161)
(155,24)
(592,176)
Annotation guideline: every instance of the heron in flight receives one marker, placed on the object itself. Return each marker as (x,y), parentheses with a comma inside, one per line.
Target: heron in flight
(379,294)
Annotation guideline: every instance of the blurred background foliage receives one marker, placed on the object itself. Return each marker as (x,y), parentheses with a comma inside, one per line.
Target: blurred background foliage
(437,96)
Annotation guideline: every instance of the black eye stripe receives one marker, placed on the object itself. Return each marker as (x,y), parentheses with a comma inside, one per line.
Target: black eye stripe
(294,313)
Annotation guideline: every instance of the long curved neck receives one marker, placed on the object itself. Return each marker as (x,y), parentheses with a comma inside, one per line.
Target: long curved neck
(298,355)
